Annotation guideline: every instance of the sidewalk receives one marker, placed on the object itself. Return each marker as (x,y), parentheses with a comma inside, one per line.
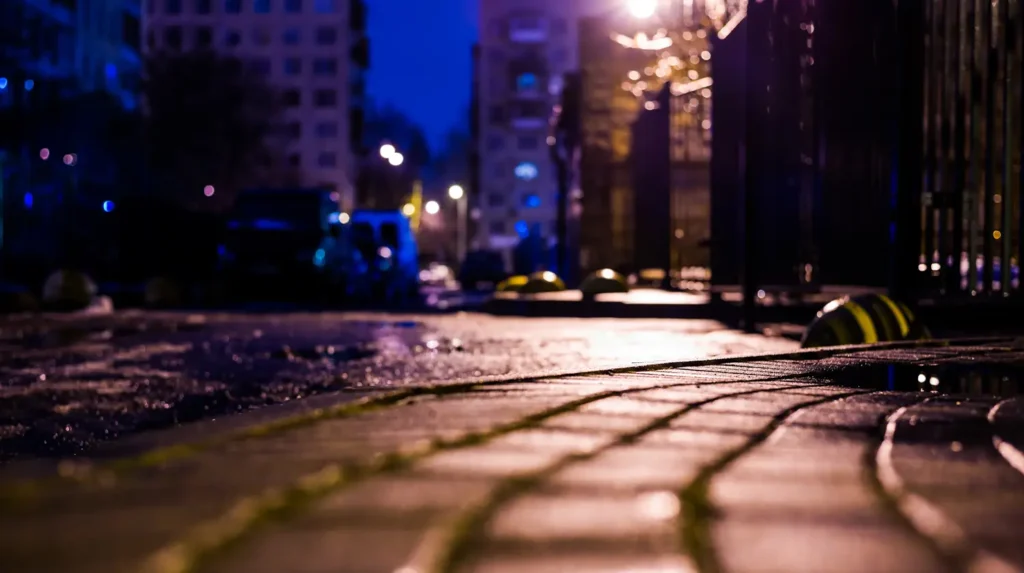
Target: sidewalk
(757,464)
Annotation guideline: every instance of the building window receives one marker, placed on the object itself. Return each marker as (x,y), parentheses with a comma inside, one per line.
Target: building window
(292,66)
(527,142)
(172,37)
(495,200)
(204,37)
(291,37)
(326,159)
(326,36)
(326,129)
(526,171)
(232,6)
(260,66)
(324,6)
(497,227)
(261,6)
(261,36)
(496,114)
(526,83)
(292,98)
(295,160)
(294,130)
(172,7)
(531,201)
(522,229)
(325,98)
(555,85)
(495,143)
(325,67)
(232,38)
(293,6)
(527,29)
(204,6)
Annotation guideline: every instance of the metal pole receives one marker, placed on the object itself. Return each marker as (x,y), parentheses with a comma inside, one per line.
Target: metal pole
(461,228)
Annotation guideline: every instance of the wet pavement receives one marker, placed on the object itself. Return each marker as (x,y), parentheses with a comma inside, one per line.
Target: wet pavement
(69,383)
(882,460)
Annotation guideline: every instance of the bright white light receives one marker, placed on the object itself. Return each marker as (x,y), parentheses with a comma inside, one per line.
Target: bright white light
(408,209)
(396,159)
(456,192)
(387,150)
(432,207)
(384,252)
(642,8)
(208,190)
(343,218)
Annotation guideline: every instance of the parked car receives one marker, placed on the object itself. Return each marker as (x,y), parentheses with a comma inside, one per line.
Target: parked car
(387,243)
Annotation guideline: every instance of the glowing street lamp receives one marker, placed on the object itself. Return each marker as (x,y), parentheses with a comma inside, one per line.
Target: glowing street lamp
(387,150)
(408,209)
(456,192)
(642,9)
(432,207)
(396,159)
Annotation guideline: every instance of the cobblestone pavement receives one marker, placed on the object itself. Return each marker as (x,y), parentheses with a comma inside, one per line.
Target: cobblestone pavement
(824,462)
(70,383)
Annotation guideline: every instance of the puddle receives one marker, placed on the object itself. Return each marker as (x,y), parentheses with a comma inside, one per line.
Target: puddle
(991,379)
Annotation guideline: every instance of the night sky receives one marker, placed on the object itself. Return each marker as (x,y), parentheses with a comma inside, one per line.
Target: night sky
(420,60)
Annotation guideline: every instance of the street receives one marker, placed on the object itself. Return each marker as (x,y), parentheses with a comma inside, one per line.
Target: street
(70,383)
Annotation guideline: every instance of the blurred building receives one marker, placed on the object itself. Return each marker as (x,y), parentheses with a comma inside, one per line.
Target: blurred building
(526,46)
(315,51)
(619,227)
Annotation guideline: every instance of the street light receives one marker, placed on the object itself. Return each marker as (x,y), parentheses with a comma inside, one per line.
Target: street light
(408,209)
(432,207)
(396,159)
(642,9)
(387,150)
(458,194)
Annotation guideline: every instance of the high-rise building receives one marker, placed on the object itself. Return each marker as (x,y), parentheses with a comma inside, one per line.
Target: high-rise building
(526,46)
(315,52)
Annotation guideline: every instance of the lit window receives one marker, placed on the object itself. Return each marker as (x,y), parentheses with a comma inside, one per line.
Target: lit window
(326,159)
(291,37)
(324,6)
(526,171)
(261,6)
(531,201)
(522,228)
(526,83)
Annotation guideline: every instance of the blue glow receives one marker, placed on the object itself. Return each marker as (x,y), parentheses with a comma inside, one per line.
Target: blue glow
(28,200)
(108,206)
(333,218)
(522,228)
(270,224)
(532,201)
(222,250)
(3,83)
(111,71)
(29,84)
(526,171)
(318,257)
(526,82)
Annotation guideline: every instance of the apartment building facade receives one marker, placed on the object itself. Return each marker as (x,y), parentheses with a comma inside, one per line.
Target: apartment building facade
(315,52)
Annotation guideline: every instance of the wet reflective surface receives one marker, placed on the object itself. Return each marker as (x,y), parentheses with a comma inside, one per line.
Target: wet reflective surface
(67,383)
(988,377)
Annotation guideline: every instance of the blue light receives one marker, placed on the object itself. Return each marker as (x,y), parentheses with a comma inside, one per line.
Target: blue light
(29,200)
(318,257)
(526,171)
(29,84)
(108,206)
(522,228)
(3,83)
(333,218)
(532,201)
(526,82)
(111,71)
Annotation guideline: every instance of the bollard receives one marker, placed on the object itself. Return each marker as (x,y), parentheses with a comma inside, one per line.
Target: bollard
(542,282)
(67,290)
(863,320)
(513,283)
(602,282)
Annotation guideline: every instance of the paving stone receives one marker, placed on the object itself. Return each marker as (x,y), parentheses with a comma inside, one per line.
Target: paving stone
(590,561)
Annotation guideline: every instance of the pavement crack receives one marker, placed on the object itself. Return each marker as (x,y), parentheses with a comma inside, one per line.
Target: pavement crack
(698,510)
(456,548)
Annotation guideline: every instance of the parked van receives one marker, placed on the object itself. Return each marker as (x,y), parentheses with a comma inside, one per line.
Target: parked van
(386,242)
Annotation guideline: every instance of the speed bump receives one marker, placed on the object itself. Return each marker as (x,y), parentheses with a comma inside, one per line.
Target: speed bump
(863,320)
(512,283)
(602,282)
(545,281)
